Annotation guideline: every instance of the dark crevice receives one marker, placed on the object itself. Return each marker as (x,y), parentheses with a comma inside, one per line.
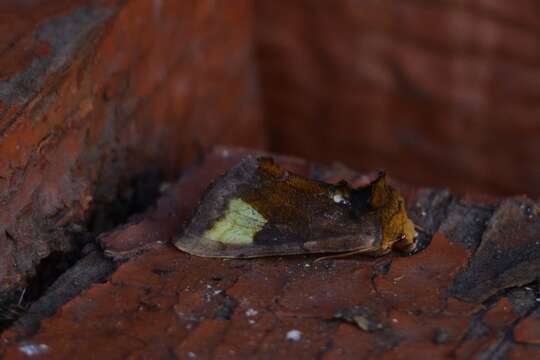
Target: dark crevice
(429,211)
(46,273)
(522,309)
(228,303)
(48,270)
(380,269)
(9,313)
(226,311)
(499,350)
(92,268)
(43,294)
(475,330)
(134,197)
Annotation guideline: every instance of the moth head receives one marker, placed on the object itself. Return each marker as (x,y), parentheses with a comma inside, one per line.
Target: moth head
(406,241)
(398,231)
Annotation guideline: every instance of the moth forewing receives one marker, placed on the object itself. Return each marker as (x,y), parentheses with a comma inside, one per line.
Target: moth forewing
(258,209)
(202,247)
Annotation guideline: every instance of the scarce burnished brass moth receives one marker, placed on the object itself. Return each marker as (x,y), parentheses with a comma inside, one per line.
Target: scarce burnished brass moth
(259,209)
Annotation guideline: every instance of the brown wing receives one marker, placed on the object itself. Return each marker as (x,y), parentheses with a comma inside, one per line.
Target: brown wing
(258,209)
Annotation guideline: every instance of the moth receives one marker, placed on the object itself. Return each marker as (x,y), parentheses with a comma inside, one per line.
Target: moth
(259,209)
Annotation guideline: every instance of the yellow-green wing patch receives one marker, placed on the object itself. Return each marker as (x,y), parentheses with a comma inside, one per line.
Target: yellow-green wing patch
(238,226)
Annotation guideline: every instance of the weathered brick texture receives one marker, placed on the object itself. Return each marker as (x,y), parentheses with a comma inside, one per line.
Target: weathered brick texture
(94,93)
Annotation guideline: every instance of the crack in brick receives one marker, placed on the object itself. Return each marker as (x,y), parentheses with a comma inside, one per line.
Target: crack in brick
(38,302)
(472,330)
(477,329)
(382,270)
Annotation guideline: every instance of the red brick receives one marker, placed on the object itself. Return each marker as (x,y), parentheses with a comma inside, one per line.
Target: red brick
(165,301)
(132,87)
(528,329)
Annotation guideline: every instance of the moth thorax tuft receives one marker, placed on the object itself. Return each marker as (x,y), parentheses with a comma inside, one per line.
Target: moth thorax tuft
(338,198)
(341,193)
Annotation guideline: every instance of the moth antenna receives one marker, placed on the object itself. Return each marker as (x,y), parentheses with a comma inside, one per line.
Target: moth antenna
(339,256)
(421,229)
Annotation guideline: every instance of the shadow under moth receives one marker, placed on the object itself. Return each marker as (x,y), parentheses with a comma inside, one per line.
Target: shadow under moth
(259,209)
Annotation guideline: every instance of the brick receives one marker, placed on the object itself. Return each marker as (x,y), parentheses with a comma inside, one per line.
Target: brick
(95,93)
(162,301)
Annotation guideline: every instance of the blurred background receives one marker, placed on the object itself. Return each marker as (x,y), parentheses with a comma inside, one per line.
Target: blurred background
(443,93)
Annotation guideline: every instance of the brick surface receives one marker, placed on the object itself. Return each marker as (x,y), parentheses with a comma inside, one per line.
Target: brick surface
(164,303)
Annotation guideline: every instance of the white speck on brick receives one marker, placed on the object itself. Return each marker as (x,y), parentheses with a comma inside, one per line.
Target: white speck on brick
(31,349)
(293,335)
(251,312)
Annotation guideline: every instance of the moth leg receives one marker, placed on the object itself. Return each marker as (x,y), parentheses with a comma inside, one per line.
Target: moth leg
(420,228)
(342,255)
